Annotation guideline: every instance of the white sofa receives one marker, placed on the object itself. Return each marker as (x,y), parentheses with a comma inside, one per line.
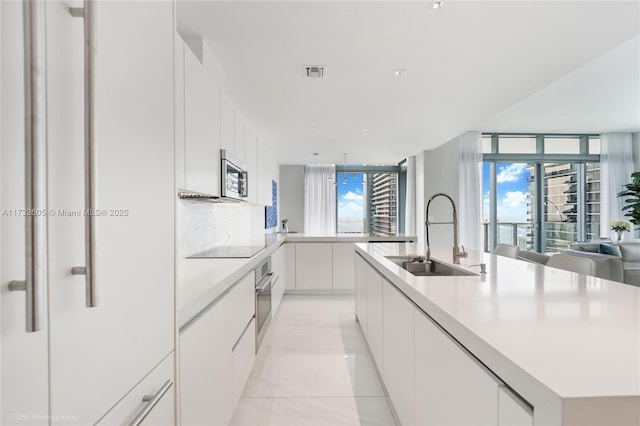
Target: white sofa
(630,254)
(614,261)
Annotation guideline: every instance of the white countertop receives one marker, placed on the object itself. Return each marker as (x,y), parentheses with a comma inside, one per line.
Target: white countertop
(538,328)
(346,238)
(201,281)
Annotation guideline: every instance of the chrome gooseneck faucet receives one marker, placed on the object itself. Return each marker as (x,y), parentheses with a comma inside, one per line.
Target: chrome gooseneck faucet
(457,253)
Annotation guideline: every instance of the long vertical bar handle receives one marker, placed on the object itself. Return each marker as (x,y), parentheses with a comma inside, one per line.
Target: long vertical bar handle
(88,12)
(35,165)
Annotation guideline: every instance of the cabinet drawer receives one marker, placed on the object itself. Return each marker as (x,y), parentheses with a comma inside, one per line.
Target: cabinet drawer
(277,291)
(244,355)
(161,406)
(242,306)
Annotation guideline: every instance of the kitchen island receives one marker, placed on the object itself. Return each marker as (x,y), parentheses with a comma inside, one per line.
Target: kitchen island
(324,264)
(564,348)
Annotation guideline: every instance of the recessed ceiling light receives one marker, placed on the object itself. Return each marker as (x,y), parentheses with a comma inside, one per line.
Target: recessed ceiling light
(398,72)
(437,4)
(315,71)
(365,129)
(315,129)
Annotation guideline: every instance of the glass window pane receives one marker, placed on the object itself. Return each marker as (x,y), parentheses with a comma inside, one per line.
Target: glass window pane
(593,200)
(560,145)
(514,183)
(486,204)
(486,144)
(350,202)
(560,206)
(594,144)
(517,144)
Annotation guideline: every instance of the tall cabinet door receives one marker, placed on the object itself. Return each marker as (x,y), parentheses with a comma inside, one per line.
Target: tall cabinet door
(98,354)
(23,371)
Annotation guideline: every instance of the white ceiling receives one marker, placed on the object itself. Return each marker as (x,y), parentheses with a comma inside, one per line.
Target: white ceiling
(517,66)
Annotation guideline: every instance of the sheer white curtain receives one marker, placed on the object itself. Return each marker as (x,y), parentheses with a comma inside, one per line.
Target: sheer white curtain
(470,190)
(410,207)
(319,199)
(616,166)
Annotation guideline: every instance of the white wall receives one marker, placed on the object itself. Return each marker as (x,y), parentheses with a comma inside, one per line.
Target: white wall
(441,170)
(420,197)
(292,196)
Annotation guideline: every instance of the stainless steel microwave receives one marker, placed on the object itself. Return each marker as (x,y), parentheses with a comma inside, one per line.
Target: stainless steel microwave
(234,178)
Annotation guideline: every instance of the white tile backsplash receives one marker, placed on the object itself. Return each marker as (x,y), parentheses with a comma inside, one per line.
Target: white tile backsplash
(203,224)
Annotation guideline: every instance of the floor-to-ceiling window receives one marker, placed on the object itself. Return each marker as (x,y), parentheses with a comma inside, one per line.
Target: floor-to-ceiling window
(351,189)
(541,192)
(368,199)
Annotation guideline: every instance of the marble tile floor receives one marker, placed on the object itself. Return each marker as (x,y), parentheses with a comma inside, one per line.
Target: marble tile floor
(313,368)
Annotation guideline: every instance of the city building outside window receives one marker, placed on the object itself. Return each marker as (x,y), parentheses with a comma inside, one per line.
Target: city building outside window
(541,192)
(367,202)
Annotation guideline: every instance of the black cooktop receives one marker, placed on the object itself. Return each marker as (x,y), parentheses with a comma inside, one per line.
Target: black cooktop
(227,252)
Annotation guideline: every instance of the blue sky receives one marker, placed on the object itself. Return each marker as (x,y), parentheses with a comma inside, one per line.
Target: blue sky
(512,191)
(350,196)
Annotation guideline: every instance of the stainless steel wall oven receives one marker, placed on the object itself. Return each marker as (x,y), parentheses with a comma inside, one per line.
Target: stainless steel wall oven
(264,278)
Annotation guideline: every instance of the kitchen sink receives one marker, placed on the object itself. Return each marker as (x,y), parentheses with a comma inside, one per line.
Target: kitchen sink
(433,268)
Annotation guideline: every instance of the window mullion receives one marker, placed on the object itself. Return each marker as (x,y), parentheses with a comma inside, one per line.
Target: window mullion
(582,203)
(493,206)
(539,226)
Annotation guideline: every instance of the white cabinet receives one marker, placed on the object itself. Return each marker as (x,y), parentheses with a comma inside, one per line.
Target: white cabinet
(90,349)
(206,369)
(241,298)
(290,265)
(202,118)
(89,365)
(512,411)
(278,266)
(217,351)
(398,371)
(431,379)
(178,105)
(160,386)
(451,387)
(361,292)
(250,162)
(314,266)
(321,266)
(374,283)
(243,356)
(344,266)
(24,358)
(228,125)
(263,175)
(369,307)
(239,137)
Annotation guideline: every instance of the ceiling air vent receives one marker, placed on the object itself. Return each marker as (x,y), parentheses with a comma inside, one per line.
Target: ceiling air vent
(315,71)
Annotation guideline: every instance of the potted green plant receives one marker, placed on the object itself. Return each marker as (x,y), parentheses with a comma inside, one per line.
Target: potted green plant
(632,201)
(284,228)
